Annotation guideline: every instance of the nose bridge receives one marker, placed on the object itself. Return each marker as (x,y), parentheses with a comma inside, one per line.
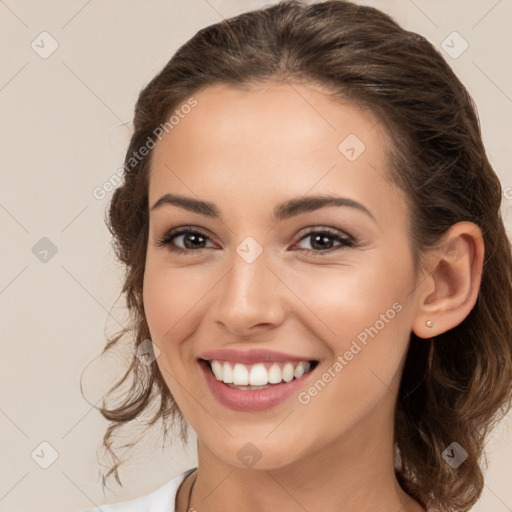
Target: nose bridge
(248,293)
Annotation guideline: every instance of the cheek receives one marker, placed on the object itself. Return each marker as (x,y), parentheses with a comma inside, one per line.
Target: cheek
(371,333)
(171,298)
(350,302)
(170,295)
(368,317)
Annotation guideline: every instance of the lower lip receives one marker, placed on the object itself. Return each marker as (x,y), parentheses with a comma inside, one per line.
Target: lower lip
(251,400)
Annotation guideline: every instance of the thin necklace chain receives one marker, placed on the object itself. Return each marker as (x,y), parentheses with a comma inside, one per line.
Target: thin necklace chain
(190,493)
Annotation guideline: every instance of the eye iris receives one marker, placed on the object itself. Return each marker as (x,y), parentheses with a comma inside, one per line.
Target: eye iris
(195,239)
(323,239)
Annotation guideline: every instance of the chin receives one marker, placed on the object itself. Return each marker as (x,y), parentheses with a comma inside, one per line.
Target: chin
(258,451)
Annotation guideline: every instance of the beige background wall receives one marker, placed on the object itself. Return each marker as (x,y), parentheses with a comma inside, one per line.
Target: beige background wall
(63,134)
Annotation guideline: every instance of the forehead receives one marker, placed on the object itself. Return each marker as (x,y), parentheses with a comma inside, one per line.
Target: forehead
(272,140)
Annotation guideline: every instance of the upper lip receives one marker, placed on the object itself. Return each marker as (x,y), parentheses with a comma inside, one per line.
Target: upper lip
(251,356)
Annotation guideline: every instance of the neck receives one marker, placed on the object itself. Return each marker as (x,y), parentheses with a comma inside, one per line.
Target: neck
(354,472)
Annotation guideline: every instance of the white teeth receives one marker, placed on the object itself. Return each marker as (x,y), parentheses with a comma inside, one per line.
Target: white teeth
(288,371)
(217,370)
(301,370)
(228,373)
(274,374)
(240,375)
(257,374)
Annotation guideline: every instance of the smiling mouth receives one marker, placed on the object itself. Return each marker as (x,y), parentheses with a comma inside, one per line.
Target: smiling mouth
(259,375)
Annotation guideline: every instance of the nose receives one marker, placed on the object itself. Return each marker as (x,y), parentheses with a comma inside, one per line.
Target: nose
(249,297)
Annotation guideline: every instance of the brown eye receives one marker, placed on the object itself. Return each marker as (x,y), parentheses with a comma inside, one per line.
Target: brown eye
(191,239)
(321,241)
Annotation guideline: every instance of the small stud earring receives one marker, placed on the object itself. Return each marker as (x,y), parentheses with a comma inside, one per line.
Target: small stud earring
(429,323)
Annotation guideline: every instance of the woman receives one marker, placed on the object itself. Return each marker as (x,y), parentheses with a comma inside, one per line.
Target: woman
(317,270)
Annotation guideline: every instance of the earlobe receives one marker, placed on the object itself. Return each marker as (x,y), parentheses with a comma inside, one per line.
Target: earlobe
(451,289)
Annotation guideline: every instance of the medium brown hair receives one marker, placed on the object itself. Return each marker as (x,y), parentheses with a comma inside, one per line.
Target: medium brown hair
(437,158)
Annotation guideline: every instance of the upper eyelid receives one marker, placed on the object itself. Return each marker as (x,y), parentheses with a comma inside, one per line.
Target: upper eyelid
(184,230)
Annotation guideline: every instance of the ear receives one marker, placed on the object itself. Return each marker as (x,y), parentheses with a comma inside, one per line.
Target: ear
(449,290)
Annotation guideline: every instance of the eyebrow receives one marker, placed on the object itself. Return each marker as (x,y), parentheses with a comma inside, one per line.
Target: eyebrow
(283,211)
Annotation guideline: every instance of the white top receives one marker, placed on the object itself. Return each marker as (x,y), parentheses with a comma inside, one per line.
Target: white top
(161,500)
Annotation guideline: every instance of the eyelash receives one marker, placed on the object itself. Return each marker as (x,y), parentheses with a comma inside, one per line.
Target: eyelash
(166,240)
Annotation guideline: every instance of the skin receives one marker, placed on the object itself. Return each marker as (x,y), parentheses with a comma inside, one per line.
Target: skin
(246,151)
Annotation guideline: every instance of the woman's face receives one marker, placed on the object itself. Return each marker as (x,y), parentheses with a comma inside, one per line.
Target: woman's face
(253,276)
